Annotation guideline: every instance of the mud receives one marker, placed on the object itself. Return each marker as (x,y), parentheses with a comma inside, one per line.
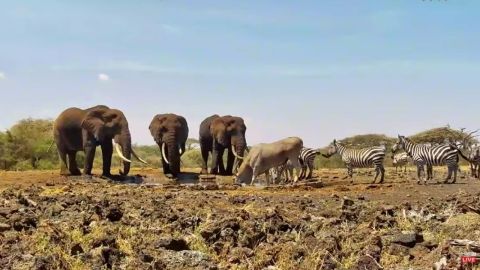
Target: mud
(150,222)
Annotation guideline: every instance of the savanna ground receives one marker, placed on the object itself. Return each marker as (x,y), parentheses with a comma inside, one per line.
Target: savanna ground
(151,222)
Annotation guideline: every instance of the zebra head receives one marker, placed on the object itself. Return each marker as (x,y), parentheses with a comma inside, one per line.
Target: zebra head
(333,148)
(400,144)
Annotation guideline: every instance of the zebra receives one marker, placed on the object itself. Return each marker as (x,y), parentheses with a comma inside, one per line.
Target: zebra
(399,160)
(474,156)
(285,169)
(307,159)
(443,154)
(360,158)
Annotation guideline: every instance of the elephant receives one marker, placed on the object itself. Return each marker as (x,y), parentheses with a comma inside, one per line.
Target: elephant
(218,133)
(83,130)
(264,156)
(170,132)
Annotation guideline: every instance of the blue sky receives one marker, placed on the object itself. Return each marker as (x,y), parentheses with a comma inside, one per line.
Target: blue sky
(315,69)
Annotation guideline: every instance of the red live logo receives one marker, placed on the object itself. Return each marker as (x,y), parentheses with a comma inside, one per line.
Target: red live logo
(469,259)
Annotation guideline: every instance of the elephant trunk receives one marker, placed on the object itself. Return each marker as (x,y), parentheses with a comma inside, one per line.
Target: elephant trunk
(239,145)
(173,156)
(125,141)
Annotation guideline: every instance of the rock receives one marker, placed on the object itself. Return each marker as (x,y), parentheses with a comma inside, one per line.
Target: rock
(111,256)
(4,227)
(114,214)
(409,239)
(76,250)
(430,245)
(176,244)
(238,254)
(370,255)
(388,210)
(346,202)
(42,263)
(144,257)
(419,251)
(21,223)
(238,199)
(187,259)
(397,250)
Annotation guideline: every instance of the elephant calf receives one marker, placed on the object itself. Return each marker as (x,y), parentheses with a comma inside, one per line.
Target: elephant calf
(83,130)
(264,156)
(170,132)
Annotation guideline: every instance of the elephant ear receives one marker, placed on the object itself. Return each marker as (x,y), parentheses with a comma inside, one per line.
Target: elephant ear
(94,123)
(156,127)
(230,124)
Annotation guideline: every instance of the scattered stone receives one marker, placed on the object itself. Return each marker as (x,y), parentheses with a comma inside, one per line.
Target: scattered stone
(176,244)
(114,214)
(4,227)
(76,250)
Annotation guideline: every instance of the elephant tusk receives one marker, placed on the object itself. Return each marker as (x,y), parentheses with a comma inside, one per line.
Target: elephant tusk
(137,157)
(119,152)
(235,153)
(164,156)
(180,150)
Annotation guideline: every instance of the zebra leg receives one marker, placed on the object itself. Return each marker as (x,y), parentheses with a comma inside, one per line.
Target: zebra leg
(419,173)
(377,172)
(382,176)
(303,172)
(449,175)
(456,169)
(429,172)
(405,170)
(310,168)
(350,173)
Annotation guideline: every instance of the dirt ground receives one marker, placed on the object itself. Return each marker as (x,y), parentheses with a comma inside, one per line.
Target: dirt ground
(150,222)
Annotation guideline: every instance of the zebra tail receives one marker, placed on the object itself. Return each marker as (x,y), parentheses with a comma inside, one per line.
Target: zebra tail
(460,152)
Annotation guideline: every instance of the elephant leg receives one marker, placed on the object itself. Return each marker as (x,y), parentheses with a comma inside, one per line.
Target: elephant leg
(205,160)
(215,158)
(89,157)
(221,166)
(230,161)
(107,151)
(72,163)
(63,163)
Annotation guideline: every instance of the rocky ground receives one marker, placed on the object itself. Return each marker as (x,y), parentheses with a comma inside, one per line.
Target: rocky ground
(48,222)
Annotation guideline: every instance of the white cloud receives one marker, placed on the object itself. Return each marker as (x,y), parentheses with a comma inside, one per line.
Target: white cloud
(103,77)
(2,76)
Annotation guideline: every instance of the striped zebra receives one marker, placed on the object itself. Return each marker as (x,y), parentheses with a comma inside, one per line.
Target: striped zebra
(307,159)
(361,158)
(443,154)
(399,160)
(474,157)
(282,173)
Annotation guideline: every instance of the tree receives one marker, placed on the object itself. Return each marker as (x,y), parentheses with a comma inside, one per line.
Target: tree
(31,139)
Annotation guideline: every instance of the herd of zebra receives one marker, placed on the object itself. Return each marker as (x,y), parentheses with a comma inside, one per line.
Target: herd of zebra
(421,155)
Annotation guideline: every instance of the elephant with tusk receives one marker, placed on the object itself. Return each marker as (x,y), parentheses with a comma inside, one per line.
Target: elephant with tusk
(265,156)
(83,130)
(170,132)
(220,133)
